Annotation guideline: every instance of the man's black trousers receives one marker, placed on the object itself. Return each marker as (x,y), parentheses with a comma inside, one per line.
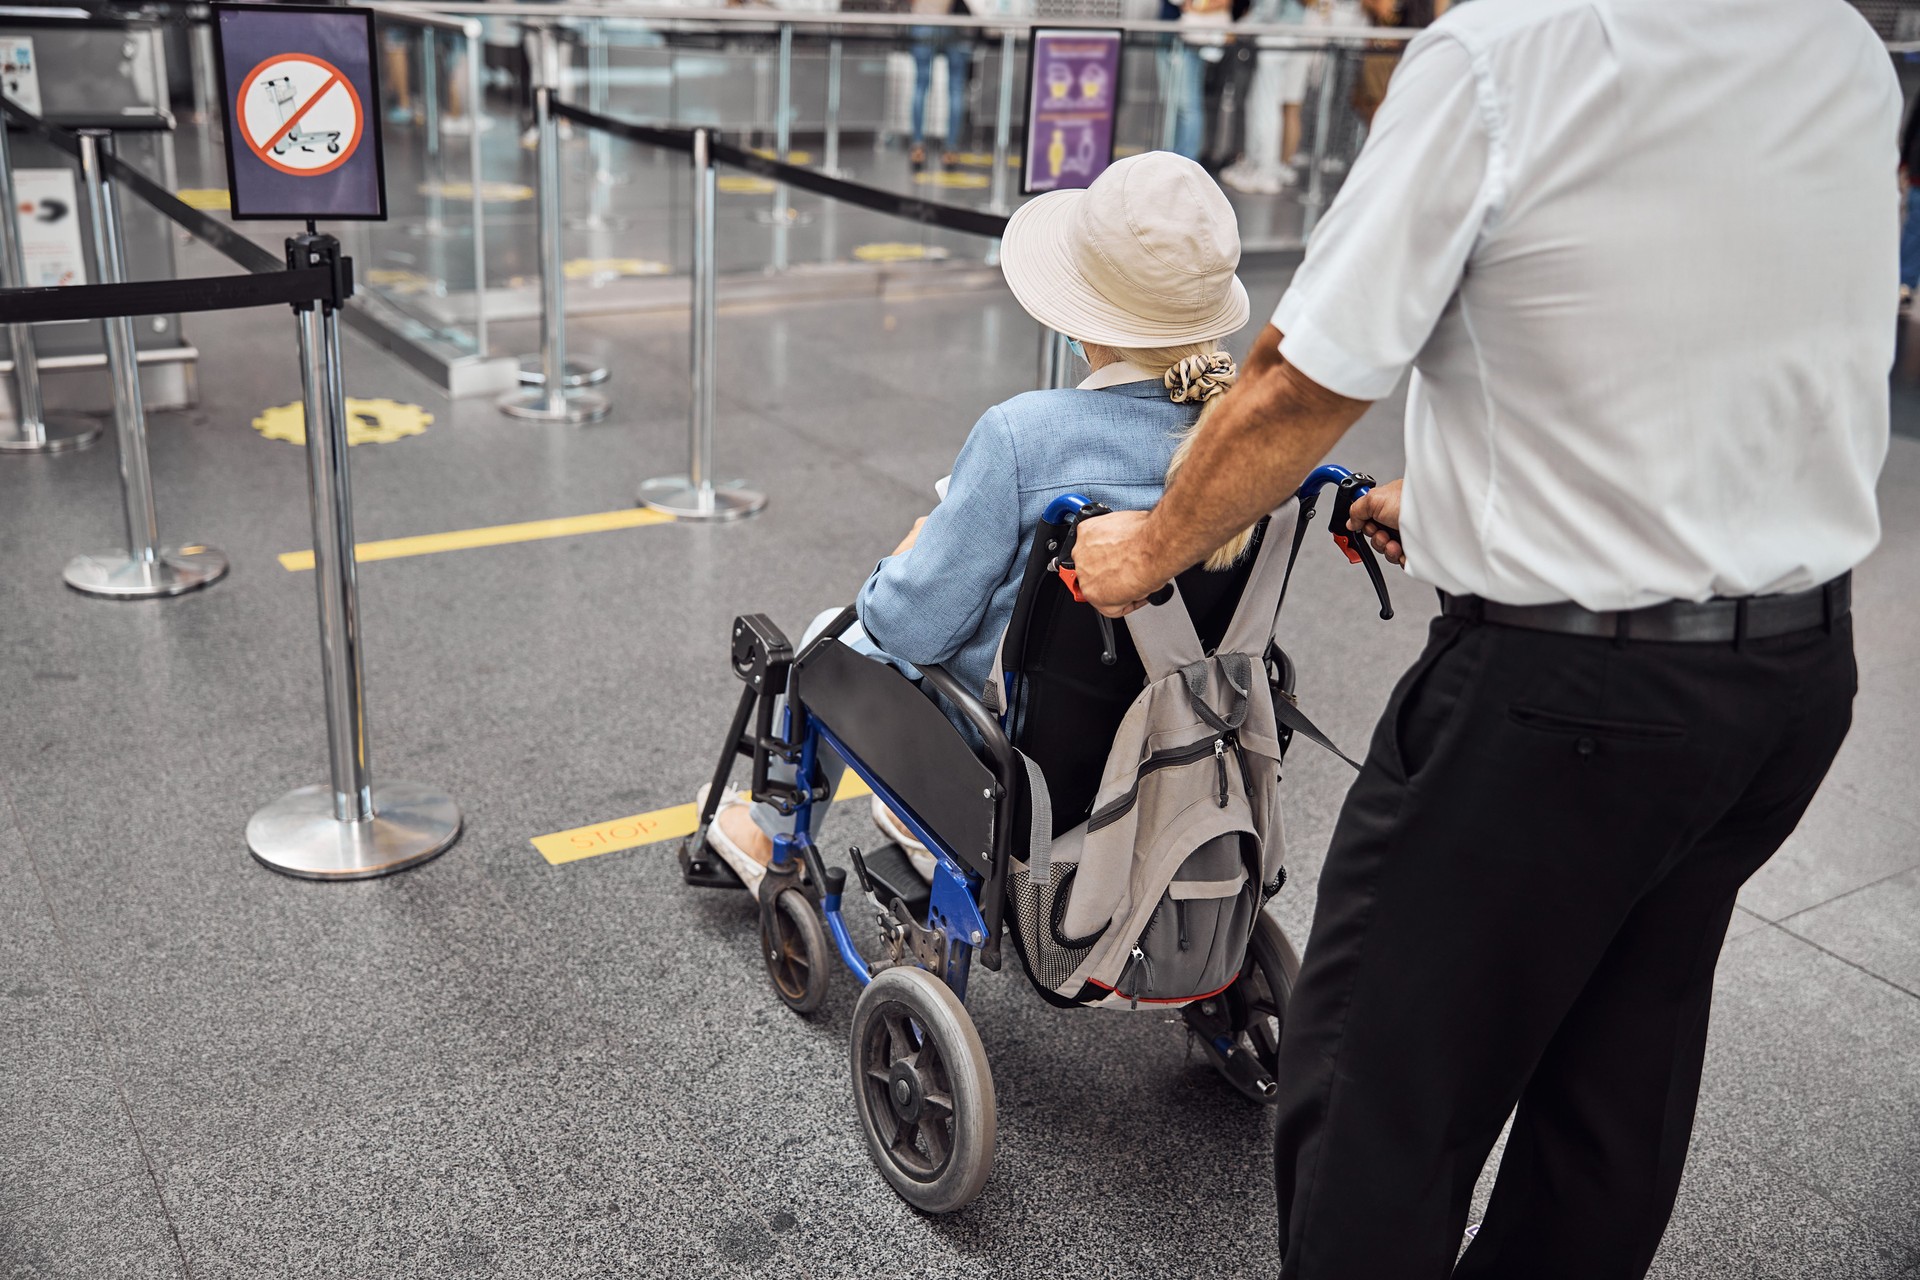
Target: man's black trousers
(1523,903)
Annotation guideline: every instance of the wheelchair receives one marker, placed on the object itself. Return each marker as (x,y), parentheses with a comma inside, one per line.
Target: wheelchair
(922,1086)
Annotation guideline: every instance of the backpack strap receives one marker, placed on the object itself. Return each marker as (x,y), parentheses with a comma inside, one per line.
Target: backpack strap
(1257,613)
(1040,828)
(1164,637)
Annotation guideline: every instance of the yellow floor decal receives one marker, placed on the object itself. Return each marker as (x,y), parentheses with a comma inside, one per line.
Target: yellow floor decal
(368,421)
(948,178)
(608,268)
(793,157)
(491,192)
(740,184)
(646,828)
(205,197)
(427,544)
(898,252)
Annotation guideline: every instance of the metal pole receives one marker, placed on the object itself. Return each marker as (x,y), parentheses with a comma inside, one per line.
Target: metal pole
(1003,124)
(1315,198)
(1056,360)
(146,569)
(599,215)
(30,431)
(200,49)
(554,394)
(695,496)
(435,166)
(832,165)
(476,109)
(781,215)
(348,829)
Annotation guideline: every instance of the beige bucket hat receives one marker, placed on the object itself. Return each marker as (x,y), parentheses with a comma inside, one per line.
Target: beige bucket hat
(1144,257)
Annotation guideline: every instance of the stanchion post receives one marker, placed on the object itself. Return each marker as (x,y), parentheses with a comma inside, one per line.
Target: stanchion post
(351,829)
(599,215)
(1314,200)
(781,216)
(31,431)
(695,496)
(554,394)
(145,569)
(435,165)
(1003,123)
(831,164)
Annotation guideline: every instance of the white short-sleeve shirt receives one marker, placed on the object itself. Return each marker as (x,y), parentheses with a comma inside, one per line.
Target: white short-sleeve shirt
(1642,256)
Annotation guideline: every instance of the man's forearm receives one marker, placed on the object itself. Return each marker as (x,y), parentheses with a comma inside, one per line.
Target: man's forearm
(1251,454)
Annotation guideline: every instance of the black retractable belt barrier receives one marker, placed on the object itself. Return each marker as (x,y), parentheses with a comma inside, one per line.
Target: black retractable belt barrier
(155,297)
(928,212)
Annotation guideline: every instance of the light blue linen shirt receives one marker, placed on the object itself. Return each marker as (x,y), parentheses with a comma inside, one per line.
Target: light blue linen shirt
(949,598)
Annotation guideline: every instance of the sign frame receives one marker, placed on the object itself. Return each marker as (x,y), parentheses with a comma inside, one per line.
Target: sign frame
(1034,35)
(370,131)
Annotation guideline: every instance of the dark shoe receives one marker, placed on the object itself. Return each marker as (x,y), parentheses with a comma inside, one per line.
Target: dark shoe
(917,156)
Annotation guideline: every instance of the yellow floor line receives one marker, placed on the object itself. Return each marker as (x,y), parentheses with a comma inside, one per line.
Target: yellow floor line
(645,828)
(427,544)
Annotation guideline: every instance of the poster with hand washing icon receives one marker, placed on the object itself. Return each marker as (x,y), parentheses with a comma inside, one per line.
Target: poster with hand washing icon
(1073,93)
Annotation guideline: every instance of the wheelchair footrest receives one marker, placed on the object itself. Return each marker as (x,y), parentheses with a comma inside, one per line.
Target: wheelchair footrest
(705,869)
(893,877)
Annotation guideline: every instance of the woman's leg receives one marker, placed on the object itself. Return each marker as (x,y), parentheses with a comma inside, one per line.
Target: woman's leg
(959,59)
(1190,86)
(922,81)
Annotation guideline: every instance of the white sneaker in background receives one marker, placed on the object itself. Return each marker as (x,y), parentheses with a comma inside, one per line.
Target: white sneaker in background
(895,830)
(1254,181)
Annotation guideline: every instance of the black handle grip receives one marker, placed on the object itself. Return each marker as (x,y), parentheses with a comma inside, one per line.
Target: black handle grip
(1355,544)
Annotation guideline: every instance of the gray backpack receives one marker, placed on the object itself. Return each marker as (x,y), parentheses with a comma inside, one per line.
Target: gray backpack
(1153,898)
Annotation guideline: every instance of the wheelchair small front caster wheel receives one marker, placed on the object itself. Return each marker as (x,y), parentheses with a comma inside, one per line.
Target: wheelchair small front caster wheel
(925,1095)
(793,942)
(1258,1004)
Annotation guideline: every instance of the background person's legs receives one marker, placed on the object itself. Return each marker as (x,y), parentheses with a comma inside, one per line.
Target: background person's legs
(922,81)
(1528,800)
(959,59)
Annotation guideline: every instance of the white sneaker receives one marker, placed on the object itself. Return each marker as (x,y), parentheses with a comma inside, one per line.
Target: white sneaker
(1242,176)
(1289,176)
(895,830)
(750,870)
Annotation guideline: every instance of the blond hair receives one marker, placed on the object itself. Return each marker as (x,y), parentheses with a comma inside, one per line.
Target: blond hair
(1194,373)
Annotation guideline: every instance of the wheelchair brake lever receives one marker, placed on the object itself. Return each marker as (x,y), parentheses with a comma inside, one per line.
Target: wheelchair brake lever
(1355,545)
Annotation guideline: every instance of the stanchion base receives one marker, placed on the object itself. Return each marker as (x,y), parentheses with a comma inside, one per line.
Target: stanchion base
(580,373)
(60,435)
(116,575)
(675,496)
(297,835)
(782,217)
(572,407)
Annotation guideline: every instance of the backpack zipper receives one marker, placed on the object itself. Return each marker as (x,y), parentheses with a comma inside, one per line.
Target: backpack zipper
(1139,961)
(1220,763)
(1119,806)
(1180,919)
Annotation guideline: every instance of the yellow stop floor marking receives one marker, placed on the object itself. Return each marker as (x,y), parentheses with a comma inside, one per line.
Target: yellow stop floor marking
(401,280)
(898,252)
(793,157)
(603,268)
(647,828)
(740,184)
(979,159)
(205,197)
(492,192)
(949,179)
(498,535)
(368,421)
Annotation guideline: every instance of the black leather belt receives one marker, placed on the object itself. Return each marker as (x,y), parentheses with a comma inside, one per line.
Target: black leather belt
(1720,620)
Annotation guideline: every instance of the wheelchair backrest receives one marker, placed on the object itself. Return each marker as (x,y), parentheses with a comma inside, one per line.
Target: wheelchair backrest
(1064,704)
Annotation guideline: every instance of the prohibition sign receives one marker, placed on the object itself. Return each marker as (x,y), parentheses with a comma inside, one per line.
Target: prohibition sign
(300,115)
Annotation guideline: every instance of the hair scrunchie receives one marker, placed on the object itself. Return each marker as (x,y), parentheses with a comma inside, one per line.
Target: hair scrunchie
(1198,379)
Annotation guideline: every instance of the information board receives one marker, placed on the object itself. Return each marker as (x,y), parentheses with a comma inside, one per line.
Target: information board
(301,90)
(1073,92)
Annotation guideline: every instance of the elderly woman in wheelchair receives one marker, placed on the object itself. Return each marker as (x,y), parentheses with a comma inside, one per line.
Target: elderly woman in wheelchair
(1107,794)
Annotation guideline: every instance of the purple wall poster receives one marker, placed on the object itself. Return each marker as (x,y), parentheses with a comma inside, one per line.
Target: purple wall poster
(1073,91)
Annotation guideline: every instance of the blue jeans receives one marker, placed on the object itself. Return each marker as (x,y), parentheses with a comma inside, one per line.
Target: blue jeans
(1184,77)
(1910,243)
(959,54)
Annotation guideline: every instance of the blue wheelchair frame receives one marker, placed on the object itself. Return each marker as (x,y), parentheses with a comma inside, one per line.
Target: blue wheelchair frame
(955,906)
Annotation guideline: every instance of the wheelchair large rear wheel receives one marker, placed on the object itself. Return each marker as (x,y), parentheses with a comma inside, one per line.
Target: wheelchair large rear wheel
(921,1083)
(1258,1001)
(794,944)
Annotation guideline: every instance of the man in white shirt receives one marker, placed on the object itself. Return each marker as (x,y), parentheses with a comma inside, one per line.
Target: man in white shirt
(1641,258)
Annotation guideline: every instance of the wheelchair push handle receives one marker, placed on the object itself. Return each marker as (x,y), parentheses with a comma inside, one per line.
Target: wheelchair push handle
(1073,508)
(1349,487)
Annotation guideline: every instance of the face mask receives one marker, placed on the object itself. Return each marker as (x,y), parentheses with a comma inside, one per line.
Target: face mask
(1073,344)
